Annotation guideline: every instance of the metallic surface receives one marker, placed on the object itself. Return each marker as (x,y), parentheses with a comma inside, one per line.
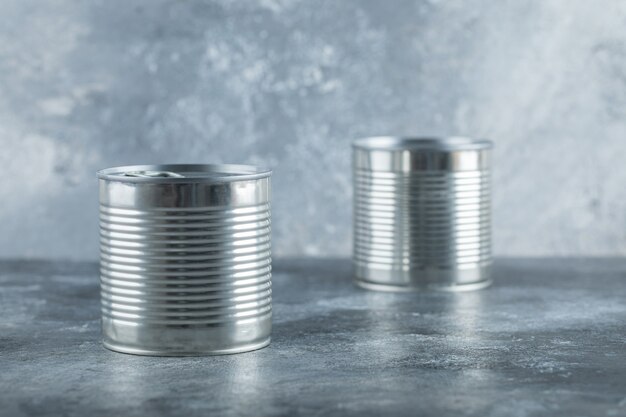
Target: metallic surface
(422,213)
(185,259)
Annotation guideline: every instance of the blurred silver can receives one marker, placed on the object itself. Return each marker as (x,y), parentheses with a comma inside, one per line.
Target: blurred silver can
(422,213)
(185,261)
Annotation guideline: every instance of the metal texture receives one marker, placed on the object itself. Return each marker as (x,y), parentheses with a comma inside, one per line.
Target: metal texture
(422,216)
(185,259)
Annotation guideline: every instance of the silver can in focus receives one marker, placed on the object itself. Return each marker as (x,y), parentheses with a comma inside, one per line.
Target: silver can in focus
(185,260)
(422,213)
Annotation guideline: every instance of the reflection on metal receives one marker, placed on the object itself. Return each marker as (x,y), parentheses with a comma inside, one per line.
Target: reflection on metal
(185,259)
(422,213)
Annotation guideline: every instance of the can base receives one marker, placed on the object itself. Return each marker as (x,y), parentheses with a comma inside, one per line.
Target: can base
(184,340)
(403,288)
(142,352)
(468,279)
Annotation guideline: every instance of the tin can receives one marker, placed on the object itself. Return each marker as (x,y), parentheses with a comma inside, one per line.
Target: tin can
(422,213)
(185,261)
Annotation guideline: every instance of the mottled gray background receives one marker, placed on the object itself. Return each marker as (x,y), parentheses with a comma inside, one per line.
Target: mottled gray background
(288,84)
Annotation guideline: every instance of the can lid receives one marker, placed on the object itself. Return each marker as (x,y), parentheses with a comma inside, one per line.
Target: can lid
(446,144)
(169,173)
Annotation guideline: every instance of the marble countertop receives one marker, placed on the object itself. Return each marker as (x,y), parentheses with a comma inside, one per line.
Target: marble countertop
(548,338)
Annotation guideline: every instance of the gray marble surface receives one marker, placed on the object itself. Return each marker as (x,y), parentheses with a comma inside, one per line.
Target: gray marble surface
(547,339)
(289,83)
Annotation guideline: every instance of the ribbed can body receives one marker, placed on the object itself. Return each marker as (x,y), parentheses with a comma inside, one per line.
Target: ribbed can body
(422,213)
(185,261)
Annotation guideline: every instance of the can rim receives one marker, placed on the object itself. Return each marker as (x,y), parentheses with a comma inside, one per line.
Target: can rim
(410,143)
(222,173)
